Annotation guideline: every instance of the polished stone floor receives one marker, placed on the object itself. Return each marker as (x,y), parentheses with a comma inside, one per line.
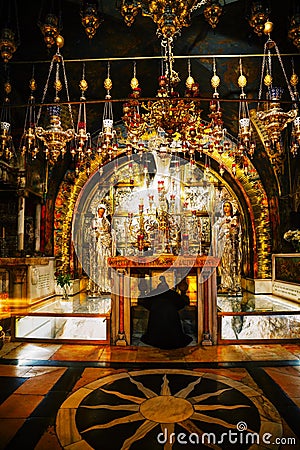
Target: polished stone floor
(57,396)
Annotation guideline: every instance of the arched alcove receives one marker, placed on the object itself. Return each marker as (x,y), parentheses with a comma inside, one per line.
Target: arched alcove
(246,188)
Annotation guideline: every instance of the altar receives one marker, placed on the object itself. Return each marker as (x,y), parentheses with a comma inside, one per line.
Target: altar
(124,272)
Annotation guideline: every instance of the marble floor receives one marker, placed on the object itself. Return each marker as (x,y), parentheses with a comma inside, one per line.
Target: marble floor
(55,396)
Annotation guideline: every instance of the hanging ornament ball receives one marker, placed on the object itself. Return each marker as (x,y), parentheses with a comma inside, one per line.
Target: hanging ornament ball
(215,81)
(7,87)
(242,81)
(294,79)
(83,85)
(60,41)
(134,83)
(268,27)
(32,84)
(189,82)
(268,80)
(107,84)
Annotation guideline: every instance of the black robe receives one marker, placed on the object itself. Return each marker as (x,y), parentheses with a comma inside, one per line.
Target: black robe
(164,328)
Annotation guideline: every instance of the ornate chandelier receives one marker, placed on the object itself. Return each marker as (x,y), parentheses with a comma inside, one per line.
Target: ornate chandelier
(54,137)
(273,118)
(170,16)
(174,119)
(174,125)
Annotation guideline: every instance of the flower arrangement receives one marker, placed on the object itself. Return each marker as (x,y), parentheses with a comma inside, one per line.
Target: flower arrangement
(294,238)
(64,281)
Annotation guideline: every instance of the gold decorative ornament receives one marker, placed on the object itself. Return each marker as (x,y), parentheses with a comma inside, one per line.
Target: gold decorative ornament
(268,27)
(7,87)
(215,81)
(107,84)
(242,81)
(268,80)
(32,84)
(134,83)
(294,79)
(189,82)
(60,41)
(83,85)
(57,85)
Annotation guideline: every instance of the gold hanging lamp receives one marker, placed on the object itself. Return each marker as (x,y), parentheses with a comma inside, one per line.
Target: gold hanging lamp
(54,137)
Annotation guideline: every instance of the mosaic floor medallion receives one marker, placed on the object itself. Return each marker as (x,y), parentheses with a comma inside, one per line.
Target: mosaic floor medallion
(167,409)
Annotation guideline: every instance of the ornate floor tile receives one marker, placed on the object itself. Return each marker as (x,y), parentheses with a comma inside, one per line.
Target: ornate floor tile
(141,409)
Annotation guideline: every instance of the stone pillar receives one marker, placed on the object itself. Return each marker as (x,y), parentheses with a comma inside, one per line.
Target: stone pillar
(21,223)
(37,234)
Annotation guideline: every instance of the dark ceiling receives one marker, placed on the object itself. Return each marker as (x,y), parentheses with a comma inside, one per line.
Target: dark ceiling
(232,36)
